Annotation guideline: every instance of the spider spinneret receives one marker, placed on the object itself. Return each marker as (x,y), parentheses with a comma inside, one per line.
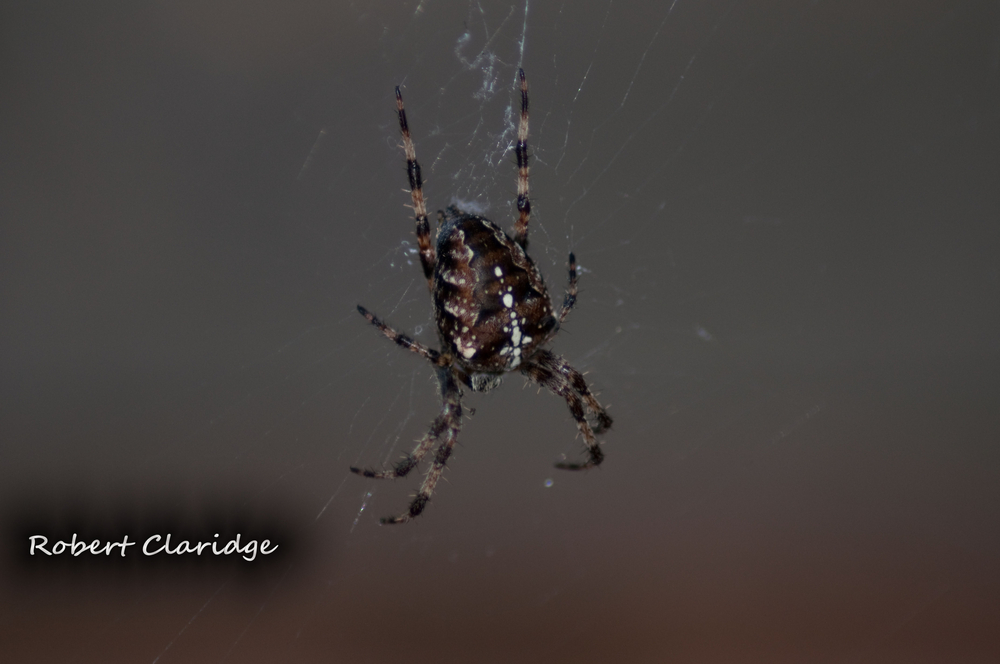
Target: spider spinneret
(493,315)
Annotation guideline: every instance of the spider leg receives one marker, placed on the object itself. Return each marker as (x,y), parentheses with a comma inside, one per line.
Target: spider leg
(559,366)
(405,341)
(450,422)
(570,290)
(553,372)
(523,202)
(409,461)
(427,254)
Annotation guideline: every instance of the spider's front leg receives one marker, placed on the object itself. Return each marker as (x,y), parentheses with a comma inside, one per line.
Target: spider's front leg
(445,427)
(408,462)
(559,367)
(441,424)
(551,371)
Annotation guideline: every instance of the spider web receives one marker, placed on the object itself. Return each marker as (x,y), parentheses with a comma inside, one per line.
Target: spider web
(769,302)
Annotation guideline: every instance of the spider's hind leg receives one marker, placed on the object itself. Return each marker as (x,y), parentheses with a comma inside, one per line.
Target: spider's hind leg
(423,230)
(523,198)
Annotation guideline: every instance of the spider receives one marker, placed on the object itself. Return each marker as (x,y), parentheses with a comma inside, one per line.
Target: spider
(493,316)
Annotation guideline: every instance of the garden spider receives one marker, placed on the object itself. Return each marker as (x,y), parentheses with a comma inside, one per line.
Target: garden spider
(493,316)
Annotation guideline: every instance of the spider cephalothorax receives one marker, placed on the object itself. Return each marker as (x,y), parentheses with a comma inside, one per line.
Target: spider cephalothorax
(493,315)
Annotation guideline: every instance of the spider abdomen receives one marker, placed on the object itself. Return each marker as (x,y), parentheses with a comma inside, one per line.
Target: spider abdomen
(490,302)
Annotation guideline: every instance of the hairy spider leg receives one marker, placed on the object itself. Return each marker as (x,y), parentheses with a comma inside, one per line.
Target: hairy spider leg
(445,427)
(404,341)
(427,255)
(523,202)
(570,300)
(551,371)
(603,420)
(450,422)
(410,461)
(558,365)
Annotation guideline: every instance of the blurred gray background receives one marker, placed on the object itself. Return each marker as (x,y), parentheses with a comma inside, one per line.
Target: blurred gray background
(786,216)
